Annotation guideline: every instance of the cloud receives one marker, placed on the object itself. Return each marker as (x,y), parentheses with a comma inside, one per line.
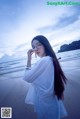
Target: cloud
(62,21)
(21,20)
(65,21)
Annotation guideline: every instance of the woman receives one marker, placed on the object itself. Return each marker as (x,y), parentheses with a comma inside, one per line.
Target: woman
(47,81)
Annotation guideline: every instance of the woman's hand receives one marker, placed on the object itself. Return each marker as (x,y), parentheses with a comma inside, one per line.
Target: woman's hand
(29,53)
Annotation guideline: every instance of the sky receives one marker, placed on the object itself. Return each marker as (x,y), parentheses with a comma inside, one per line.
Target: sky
(21,20)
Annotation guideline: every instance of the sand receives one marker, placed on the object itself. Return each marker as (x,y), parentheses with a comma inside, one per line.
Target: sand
(72,91)
(13,92)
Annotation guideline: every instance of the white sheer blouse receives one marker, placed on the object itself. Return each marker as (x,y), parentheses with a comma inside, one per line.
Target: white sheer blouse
(41,91)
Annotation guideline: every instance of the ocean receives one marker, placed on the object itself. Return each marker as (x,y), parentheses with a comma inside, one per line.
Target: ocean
(69,55)
(15,67)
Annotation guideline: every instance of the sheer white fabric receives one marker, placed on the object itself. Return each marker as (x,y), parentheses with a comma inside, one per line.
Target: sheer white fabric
(40,94)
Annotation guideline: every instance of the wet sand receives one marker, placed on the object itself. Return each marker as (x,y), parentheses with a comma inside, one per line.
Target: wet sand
(72,90)
(13,92)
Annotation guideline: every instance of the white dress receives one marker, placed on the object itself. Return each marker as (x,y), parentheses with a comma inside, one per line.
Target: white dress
(40,94)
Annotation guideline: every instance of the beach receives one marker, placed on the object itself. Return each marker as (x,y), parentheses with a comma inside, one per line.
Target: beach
(72,91)
(13,92)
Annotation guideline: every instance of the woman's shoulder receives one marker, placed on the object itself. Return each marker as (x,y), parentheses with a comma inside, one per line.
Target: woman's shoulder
(46,59)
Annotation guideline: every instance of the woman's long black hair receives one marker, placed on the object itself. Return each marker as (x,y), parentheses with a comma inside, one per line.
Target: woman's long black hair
(59,77)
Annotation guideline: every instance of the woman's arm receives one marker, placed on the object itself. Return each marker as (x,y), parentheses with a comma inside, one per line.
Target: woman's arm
(28,63)
(29,54)
(38,69)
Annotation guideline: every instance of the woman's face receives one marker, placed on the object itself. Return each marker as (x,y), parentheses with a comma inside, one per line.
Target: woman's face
(39,48)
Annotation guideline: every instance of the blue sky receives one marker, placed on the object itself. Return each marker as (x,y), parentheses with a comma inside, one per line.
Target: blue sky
(21,20)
